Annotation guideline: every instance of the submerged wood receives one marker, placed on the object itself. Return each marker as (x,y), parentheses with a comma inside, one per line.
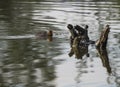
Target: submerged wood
(79,40)
(101,44)
(78,48)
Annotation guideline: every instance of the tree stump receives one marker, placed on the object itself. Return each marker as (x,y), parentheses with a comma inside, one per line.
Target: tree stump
(79,40)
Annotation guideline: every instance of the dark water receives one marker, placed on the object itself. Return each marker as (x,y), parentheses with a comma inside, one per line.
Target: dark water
(30,62)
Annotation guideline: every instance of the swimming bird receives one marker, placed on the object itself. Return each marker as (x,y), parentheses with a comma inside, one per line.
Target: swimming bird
(45,35)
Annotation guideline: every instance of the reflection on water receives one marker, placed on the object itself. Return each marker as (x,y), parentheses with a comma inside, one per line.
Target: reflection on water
(28,62)
(24,62)
(104,58)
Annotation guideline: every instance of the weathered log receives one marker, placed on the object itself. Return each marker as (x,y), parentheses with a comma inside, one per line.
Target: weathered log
(102,41)
(71,53)
(81,31)
(73,33)
(86,33)
(77,31)
(101,44)
(78,41)
(72,30)
(78,48)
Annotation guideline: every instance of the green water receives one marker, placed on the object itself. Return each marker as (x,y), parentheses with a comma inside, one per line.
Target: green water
(29,62)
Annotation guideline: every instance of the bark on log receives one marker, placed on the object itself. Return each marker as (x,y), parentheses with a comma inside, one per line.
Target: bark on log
(79,40)
(78,49)
(72,30)
(101,44)
(102,41)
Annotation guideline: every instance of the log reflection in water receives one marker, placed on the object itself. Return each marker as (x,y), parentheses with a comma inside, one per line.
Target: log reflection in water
(104,58)
(101,47)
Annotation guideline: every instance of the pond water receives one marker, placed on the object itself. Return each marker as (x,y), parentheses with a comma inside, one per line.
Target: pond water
(29,62)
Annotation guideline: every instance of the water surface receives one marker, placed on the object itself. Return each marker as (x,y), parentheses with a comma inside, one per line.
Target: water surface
(29,62)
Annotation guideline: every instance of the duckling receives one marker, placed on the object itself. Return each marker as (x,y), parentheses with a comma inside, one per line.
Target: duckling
(50,33)
(45,35)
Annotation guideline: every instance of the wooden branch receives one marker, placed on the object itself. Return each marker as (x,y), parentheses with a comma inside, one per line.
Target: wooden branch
(102,41)
(72,30)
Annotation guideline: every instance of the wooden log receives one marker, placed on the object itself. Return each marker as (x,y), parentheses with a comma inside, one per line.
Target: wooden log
(72,31)
(79,49)
(71,53)
(78,41)
(86,33)
(81,31)
(77,31)
(102,41)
